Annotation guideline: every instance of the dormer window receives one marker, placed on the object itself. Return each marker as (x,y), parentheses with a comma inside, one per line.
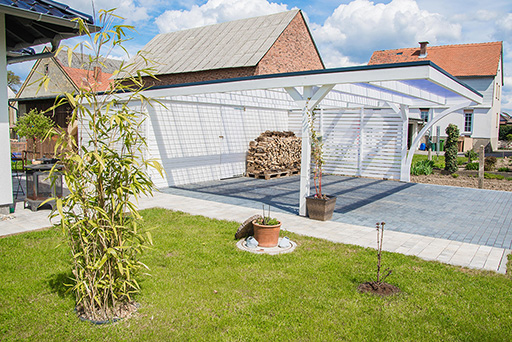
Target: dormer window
(46,69)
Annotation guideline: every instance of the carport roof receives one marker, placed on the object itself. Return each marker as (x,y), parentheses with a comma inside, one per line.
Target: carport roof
(421,83)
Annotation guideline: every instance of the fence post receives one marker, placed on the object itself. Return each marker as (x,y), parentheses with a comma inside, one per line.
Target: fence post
(481,157)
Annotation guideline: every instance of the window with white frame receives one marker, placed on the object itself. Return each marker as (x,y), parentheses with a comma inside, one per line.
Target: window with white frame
(468,121)
(424,114)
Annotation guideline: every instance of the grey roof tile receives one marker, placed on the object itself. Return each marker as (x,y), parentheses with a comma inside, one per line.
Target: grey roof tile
(239,43)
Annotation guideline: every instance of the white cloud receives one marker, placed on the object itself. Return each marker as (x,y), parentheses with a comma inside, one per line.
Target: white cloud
(132,10)
(215,11)
(361,26)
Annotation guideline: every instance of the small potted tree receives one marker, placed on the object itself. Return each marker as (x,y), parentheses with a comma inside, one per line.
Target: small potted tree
(319,206)
(266,230)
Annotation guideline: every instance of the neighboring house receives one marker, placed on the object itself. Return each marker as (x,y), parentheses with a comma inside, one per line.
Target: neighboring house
(505,119)
(478,65)
(63,78)
(270,44)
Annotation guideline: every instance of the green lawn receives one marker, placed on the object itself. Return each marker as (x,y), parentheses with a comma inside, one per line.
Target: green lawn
(438,161)
(203,288)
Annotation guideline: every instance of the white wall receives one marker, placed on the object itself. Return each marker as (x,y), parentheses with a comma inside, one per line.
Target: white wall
(5,149)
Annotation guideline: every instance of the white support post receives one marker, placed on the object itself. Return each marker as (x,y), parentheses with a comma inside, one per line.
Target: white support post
(404,113)
(309,99)
(414,146)
(5,148)
(305,163)
(361,143)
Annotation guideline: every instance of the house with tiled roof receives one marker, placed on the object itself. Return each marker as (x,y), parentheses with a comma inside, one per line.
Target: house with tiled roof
(478,65)
(270,44)
(63,77)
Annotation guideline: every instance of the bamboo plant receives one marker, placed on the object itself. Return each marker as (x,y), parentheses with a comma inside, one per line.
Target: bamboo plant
(105,172)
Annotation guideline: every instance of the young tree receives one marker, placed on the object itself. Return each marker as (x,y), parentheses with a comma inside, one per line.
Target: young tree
(13,80)
(450,151)
(34,125)
(105,172)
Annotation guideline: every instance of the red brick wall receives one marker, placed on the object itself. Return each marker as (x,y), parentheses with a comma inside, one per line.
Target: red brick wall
(294,50)
(200,76)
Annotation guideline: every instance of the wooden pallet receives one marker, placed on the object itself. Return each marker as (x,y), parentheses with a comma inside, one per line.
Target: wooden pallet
(268,175)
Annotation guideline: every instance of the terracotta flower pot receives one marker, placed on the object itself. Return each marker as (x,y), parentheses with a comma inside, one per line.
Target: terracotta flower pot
(320,209)
(267,236)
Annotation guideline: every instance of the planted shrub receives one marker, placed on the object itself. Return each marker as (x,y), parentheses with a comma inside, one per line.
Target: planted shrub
(455,175)
(423,167)
(450,152)
(490,163)
(504,169)
(493,176)
(509,137)
(473,166)
(471,155)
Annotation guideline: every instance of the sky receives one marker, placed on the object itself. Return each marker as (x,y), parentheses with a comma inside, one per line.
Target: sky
(346,32)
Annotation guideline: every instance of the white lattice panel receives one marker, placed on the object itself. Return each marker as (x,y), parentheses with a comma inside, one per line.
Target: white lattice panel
(198,141)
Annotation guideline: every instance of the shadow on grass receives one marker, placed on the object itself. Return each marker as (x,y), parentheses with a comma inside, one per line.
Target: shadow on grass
(61,283)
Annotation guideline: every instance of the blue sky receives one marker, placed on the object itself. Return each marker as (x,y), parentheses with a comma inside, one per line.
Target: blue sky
(346,32)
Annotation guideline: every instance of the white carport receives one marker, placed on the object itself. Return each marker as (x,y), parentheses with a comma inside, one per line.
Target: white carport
(362,113)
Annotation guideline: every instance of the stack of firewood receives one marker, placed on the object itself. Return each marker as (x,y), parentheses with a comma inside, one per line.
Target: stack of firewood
(274,153)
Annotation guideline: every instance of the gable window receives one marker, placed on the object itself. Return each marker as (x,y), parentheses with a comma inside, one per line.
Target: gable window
(46,69)
(424,114)
(468,121)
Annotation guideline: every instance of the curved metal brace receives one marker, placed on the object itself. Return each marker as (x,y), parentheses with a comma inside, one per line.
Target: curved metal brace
(416,142)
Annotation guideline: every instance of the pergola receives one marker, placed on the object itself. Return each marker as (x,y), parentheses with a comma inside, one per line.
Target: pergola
(394,88)
(24,24)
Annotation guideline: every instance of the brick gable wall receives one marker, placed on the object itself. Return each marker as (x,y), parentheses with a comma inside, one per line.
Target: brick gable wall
(199,76)
(294,50)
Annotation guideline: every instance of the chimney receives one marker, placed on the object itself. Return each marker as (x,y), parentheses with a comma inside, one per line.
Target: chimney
(423,49)
(96,72)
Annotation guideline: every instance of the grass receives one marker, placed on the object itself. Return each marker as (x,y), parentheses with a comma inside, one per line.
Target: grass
(203,288)
(438,161)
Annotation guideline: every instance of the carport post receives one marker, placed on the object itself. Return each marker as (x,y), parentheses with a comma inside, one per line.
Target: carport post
(308,100)
(305,162)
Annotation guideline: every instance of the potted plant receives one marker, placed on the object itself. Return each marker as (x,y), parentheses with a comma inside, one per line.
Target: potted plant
(266,230)
(319,206)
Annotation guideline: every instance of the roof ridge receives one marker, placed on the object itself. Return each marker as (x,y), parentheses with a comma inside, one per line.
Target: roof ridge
(500,42)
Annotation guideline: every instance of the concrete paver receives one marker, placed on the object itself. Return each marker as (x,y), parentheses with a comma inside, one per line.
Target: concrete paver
(428,247)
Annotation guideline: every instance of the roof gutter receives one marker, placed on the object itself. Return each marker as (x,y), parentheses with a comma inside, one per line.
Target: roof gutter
(31,57)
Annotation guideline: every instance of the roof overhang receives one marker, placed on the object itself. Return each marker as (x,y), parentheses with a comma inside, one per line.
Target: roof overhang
(415,84)
(26,28)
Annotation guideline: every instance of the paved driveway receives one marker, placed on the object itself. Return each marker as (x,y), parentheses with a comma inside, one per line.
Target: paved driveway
(461,214)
